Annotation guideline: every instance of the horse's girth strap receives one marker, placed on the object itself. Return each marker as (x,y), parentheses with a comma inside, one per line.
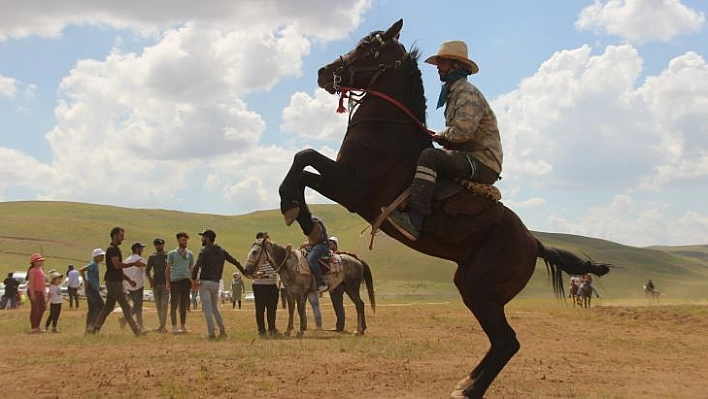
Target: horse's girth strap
(385,211)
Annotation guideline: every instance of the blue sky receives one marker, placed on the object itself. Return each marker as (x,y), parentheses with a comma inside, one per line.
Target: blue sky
(602,105)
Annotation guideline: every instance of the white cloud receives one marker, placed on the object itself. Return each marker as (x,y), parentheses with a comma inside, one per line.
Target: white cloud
(585,123)
(314,117)
(21,170)
(635,222)
(144,125)
(8,86)
(324,19)
(640,20)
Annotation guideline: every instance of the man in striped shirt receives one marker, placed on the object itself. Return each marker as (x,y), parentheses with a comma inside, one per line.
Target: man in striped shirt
(265,292)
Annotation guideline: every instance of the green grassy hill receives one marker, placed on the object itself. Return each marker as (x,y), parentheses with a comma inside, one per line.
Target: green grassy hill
(67,232)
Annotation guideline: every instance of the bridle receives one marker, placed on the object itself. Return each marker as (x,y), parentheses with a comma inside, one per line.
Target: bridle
(355,95)
(268,258)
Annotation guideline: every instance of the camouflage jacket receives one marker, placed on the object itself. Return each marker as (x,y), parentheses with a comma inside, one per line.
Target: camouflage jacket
(471,125)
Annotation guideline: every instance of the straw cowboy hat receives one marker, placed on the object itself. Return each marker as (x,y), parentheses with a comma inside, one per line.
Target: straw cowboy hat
(54,275)
(454,50)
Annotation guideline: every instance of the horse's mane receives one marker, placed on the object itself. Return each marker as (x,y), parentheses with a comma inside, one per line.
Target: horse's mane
(415,100)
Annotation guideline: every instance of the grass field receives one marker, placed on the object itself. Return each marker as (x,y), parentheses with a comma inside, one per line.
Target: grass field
(67,232)
(620,349)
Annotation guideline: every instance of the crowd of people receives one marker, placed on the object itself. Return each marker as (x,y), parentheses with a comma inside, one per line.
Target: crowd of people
(173,277)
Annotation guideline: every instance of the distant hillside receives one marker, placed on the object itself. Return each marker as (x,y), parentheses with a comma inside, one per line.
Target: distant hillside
(67,232)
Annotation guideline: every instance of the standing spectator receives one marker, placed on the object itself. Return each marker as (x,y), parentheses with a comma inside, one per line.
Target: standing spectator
(237,289)
(54,300)
(156,266)
(314,299)
(35,289)
(194,297)
(11,292)
(283,293)
(114,277)
(336,295)
(73,286)
(179,270)
(137,274)
(92,286)
(265,293)
(208,271)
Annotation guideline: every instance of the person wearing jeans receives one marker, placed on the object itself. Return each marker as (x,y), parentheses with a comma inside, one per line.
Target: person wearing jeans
(208,271)
(209,294)
(114,284)
(156,265)
(178,274)
(317,239)
(92,286)
(314,300)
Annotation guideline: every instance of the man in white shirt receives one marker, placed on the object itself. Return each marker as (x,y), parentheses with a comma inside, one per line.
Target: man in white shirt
(137,274)
(74,282)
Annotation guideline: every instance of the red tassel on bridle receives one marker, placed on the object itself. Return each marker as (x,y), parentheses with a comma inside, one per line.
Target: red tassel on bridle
(342,95)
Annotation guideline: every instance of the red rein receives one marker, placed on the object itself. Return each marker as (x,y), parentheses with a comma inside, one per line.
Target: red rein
(343,94)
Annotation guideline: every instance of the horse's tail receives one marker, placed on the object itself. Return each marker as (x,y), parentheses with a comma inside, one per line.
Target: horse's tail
(369,281)
(559,260)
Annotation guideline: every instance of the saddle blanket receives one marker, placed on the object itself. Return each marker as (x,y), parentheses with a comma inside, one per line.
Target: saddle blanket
(331,263)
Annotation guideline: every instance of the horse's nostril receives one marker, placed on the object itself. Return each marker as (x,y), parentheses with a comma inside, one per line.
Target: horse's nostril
(320,71)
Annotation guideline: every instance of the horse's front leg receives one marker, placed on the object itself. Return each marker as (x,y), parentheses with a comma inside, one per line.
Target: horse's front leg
(302,312)
(331,181)
(291,311)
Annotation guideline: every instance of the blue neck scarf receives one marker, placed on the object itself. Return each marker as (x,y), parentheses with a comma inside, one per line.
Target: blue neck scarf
(445,89)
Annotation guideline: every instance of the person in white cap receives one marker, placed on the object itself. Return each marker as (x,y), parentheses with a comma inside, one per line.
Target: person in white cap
(92,286)
(472,146)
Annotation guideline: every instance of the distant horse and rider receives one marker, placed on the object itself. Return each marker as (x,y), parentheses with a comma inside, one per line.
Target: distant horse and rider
(581,290)
(651,293)
(494,251)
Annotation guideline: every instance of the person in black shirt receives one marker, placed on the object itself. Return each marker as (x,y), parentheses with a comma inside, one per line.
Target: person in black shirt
(114,284)
(10,292)
(156,265)
(208,271)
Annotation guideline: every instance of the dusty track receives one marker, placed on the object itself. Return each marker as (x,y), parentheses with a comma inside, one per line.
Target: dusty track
(413,351)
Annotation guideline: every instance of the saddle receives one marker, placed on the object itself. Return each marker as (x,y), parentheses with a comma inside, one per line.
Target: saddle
(462,208)
(330,263)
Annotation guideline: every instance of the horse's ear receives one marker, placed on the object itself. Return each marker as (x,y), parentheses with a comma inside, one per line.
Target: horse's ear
(289,248)
(393,31)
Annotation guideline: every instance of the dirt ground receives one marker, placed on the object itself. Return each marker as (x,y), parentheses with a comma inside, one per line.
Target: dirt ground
(419,350)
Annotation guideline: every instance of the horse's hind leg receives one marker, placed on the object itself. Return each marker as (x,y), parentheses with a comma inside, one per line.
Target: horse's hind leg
(360,308)
(502,338)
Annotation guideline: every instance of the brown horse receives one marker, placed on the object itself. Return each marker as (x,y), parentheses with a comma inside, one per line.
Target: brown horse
(573,293)
(376,163)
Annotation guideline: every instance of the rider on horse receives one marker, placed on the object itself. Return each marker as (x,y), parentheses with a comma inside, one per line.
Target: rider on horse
(472,147)
(319,247)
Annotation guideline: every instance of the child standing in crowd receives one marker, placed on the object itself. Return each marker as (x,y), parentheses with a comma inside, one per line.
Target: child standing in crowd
(35,289)
(54,300)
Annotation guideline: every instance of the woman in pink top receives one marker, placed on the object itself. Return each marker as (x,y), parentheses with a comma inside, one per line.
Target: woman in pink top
(35,288)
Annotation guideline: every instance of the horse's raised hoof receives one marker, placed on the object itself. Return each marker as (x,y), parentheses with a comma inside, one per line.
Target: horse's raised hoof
(291,214)
(459,392)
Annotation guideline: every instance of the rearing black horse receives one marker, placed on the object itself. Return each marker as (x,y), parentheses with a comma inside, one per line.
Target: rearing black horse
(376,163)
